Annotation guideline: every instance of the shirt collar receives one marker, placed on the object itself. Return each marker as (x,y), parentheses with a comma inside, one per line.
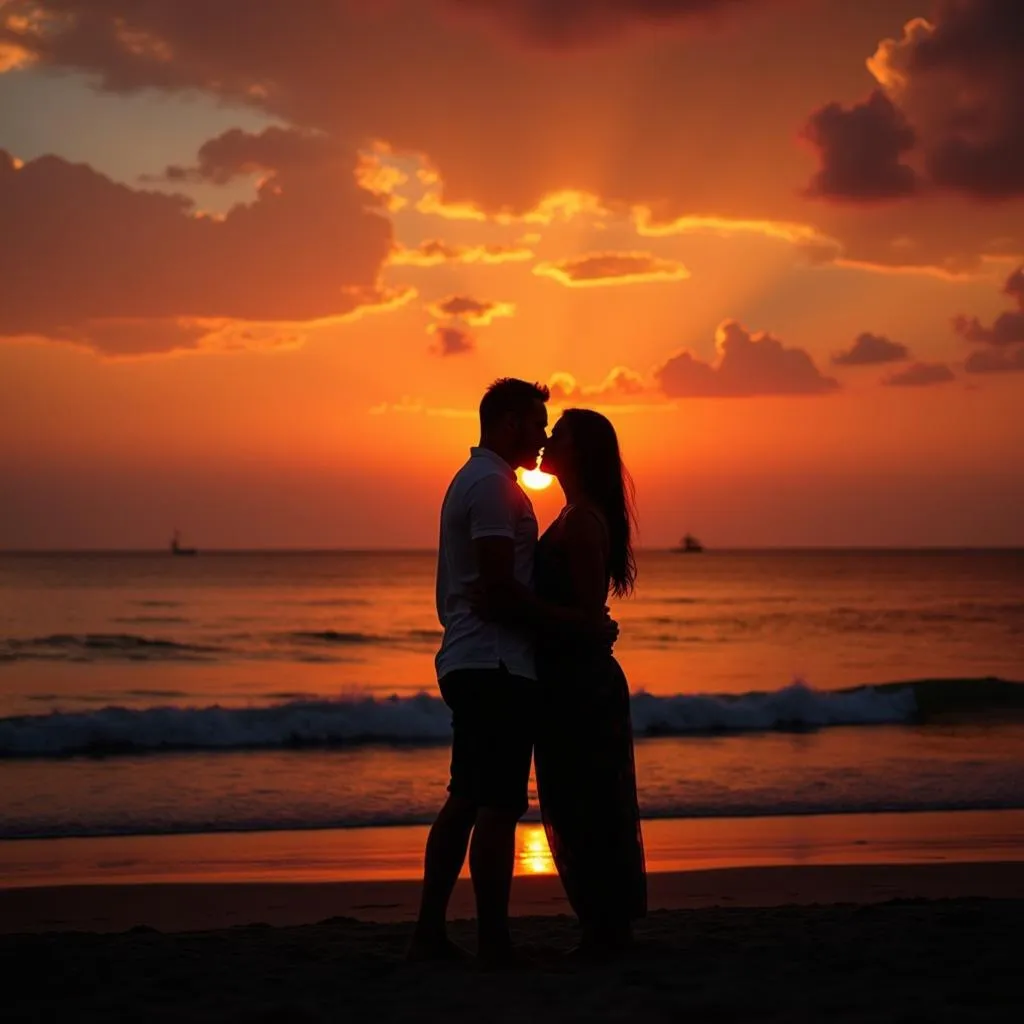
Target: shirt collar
(486,453)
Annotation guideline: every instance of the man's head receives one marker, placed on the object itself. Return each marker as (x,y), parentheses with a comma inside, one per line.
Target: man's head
(514,420)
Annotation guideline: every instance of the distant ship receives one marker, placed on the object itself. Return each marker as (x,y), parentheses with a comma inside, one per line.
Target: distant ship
(177,549)
(688,545)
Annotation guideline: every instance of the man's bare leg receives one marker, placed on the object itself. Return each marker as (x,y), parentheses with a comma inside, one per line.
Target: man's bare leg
(445,854)
(491,862)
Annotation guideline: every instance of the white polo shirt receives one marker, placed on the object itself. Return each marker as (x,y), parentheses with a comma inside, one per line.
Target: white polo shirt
(483,500)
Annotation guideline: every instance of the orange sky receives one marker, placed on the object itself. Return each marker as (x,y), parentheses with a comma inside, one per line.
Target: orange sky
(256,268)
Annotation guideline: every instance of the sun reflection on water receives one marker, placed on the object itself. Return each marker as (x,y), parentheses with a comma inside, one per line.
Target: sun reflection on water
(533,857)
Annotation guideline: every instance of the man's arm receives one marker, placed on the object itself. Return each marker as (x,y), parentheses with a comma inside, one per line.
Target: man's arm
(508,601)
(492,516)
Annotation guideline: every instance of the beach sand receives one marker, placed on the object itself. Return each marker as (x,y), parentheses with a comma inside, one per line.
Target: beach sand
(907,943)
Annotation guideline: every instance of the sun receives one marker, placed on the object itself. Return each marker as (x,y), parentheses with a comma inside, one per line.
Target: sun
(537,480)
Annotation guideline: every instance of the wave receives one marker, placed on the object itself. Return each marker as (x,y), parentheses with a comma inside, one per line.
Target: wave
(321,819)
(89,646)
(425,720)
(334,636)
(151,620)
(139,647)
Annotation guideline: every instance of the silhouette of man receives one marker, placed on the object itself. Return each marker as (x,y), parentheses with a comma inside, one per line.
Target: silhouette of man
(486,670)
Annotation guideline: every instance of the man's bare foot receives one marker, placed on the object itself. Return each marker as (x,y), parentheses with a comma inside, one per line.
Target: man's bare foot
(437,949)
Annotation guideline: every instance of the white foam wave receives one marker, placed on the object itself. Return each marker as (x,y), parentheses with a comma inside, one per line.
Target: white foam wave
(794,707)
(421,719)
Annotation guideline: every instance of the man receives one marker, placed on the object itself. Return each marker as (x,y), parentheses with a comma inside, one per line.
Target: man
(486,670)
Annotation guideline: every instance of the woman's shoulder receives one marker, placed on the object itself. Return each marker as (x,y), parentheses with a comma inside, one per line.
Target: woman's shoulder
(585,521)
(582,513)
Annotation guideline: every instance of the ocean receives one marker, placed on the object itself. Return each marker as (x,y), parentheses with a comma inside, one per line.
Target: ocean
(147,695)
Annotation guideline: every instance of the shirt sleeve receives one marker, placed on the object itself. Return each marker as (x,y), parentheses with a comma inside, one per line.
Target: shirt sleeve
(492,510)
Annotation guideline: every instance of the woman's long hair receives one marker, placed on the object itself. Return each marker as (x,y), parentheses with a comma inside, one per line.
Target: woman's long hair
(607,483)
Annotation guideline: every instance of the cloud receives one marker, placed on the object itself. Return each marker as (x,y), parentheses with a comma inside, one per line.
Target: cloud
(1007,328)
(804,236)
(920,375)
(139,337)
(407,406)
(746,365)
(621,385)
(478,312)
(1014,286)
(861,151)
(490,120)
(952,92)
(559,206)
(961,78)
(237,153)
(12,57)
(608,268)
(380,178)
(15,25)
(435,253)
(80,252)
(561,24)
(451,340)
(996,361)
(871,350)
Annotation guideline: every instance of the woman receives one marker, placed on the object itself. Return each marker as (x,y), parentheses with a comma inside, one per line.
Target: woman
(586,781)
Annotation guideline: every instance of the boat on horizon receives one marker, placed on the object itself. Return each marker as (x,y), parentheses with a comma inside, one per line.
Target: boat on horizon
(176,546)
(688,545)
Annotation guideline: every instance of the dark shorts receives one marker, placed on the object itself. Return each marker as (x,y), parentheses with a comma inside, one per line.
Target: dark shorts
(492,736)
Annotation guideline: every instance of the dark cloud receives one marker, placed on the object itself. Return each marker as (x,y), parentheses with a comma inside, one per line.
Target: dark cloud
(989,360)
(287,151)
(965,77)
(1007,328)
(861,151)
(489,120)
(478,312)
(1014,286)
(312,64)
(747,364)
(920,375)
(871,350)
(79,251)
(561,24)
(605,268)
(450,340)
(953,93)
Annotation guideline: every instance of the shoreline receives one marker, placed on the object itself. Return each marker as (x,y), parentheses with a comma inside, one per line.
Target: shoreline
(181,907)
(282,878)
(394,853)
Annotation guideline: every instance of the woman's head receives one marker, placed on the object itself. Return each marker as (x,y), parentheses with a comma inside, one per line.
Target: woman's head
(583,452)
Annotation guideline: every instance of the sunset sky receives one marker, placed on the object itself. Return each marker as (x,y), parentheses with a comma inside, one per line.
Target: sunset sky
(259,260)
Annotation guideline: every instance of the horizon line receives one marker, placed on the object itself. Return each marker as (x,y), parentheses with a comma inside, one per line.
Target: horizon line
(370,550)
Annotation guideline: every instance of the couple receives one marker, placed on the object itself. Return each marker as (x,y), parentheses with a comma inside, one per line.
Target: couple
(526,668)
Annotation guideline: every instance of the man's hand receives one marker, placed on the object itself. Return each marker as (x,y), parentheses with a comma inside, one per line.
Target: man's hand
(608,630)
